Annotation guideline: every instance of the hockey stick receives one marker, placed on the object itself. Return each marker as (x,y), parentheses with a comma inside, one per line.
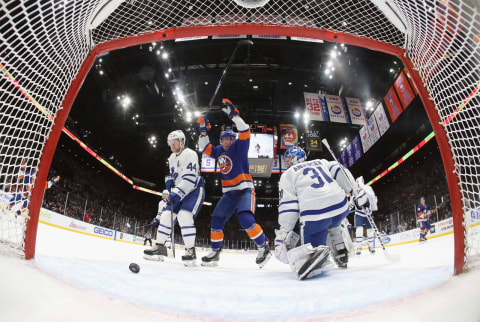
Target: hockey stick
(392,258)
(173,229)
(227,67)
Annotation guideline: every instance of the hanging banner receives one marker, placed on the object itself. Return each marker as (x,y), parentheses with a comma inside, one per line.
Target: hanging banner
(335,109)
(208,164)
(289,135)
(404,90)
(313,140)
(357,116)
(381,119)
(393,104)
(357,150)
(283,167)
(323,103)
(350,158)
(343,158)
(365,138)
(313,106)
(373,130)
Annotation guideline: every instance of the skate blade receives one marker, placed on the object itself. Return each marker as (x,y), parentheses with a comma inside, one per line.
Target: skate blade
(157,258)
(209,264)
(192,263)
(265,261)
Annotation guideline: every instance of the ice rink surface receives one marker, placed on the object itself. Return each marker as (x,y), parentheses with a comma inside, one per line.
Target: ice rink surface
(76,277)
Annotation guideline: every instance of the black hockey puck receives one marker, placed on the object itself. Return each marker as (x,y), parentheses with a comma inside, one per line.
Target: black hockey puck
(134,268)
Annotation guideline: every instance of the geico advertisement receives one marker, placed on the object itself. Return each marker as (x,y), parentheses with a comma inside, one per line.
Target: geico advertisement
(104,232)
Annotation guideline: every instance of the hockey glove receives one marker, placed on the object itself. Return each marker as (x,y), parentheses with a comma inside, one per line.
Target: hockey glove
(174,200)
(203,123)
(156,220)
(361,200)
(229,109)
(169,183)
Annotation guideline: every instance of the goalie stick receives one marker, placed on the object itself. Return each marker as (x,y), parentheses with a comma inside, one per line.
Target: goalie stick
(392,258)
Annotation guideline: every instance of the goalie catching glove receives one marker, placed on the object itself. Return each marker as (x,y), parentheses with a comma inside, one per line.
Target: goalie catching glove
(361,200)
(229,109)
(284,241)
(203,123)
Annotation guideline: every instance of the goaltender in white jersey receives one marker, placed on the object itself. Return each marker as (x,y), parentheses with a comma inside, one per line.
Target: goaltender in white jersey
(315,193)
(187,193)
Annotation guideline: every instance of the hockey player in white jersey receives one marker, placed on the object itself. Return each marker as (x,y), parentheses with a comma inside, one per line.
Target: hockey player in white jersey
(162,205)
(361,219)
(186,197)
(315,193)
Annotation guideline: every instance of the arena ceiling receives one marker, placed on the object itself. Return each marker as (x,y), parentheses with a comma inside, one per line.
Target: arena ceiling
(132,94)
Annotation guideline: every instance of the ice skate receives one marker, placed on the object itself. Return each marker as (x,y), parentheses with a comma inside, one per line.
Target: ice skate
(211,259)
(422,240)
(313,266)
(358,251)
(371,249)
(190,257)
(156,253)
(263,255)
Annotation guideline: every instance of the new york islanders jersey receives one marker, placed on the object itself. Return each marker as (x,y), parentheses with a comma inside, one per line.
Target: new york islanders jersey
(422,211)
(233,163)
(185,171)
(310,190)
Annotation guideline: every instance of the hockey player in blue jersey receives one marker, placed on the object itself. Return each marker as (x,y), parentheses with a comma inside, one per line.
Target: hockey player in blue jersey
(314,193)
(187,192)
(237,185)
(423,218)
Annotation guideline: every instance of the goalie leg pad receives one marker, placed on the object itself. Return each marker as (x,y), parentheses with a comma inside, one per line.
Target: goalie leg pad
(306,261)
(339,250)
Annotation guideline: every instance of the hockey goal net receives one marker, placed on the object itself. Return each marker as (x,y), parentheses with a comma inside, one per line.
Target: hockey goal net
(47,47)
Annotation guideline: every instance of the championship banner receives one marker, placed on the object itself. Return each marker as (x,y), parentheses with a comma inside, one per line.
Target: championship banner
(404,90)
(343,158)
(313,140)
(393,104)
(326,117)
(335,109)
(208,164)
(289,136)
(350,159)
(357,116)
(381,119)
(357,150)
(373,130)
(365,138)
(313,106)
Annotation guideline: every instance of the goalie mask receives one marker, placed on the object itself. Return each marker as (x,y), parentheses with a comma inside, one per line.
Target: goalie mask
(296,155)
(176,135)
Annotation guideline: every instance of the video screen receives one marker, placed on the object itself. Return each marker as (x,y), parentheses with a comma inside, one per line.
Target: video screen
(261,146)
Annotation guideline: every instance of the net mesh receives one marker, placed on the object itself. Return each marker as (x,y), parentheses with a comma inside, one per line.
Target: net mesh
(43,44)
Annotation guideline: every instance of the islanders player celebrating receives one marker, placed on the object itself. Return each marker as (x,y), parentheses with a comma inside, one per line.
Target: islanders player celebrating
(237,185)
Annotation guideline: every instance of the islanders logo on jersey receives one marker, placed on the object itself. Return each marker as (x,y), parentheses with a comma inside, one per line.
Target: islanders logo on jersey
(336,109)
(356,112)
(225,164)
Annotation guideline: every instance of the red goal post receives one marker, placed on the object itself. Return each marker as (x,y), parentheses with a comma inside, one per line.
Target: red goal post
(440,37)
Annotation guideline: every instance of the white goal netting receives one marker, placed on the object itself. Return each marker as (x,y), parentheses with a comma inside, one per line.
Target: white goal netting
(44,43)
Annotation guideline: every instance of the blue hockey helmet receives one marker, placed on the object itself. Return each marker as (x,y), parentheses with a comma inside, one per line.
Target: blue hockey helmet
(296,155)
(227,134)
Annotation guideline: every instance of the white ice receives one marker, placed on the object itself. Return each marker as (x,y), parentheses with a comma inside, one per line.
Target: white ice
(76,277)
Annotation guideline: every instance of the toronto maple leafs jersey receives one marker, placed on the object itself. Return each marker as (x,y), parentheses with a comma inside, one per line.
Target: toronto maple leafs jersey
(312,190)
(185,171)
(161,206)
(233,163)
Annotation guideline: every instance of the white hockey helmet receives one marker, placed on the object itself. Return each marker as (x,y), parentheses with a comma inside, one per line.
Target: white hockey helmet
(176,135)
(165,192)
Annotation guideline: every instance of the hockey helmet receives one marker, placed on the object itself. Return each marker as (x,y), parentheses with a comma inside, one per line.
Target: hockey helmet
(422,198)
(360,180)
(176,135)
(227,134)
(296,155)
